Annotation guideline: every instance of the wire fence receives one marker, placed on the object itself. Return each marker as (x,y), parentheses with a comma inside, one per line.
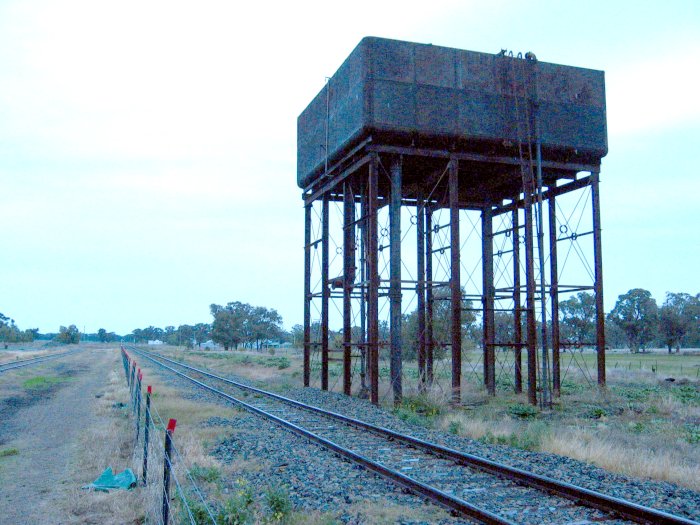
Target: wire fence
(172,494)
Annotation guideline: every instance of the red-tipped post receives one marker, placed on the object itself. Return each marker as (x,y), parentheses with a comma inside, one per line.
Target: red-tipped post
(146,427)
(166,469)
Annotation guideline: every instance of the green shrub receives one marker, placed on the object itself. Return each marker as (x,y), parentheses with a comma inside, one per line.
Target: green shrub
(238,509)
(278,503)
(597,413)
(523,411)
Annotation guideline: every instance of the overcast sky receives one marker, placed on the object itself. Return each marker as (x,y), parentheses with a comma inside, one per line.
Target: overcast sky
(148,149)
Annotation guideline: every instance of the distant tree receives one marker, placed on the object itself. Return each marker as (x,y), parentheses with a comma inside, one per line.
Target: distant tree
(139,336)
(185,335)
(68,336)
(297,335)
(102,335)
(636,313)
(442,323)
(265,325)
(676,318)
(578,318)
(202,333)
(30,334)
(229,326)
(614,335)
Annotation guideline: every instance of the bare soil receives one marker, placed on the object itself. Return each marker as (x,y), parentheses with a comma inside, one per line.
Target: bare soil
(45,426)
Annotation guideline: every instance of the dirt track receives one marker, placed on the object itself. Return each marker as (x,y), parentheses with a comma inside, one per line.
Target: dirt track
(44,425)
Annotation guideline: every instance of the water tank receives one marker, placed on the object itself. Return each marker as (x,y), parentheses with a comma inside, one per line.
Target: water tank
(404,93)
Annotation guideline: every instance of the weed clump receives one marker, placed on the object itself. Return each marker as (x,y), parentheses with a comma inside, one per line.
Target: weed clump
(522,411)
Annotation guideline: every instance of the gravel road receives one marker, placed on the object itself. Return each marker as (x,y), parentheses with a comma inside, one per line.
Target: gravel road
(44,425)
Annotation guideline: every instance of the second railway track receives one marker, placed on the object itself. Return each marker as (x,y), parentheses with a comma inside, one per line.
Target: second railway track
(11,365)
(453,479)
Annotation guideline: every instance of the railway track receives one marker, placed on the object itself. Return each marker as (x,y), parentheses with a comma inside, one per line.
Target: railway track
(453,479)
(4,367)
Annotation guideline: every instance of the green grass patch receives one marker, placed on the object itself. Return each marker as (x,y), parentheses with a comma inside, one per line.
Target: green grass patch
(210,474)
(530,438)
(43,382)
(418,410)
(522,411)
(6,452)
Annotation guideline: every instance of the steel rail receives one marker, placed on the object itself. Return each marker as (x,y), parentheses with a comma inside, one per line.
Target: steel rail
(444,499)
(580,495)
(10,365)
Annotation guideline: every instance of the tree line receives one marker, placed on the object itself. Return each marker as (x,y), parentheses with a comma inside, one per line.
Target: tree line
(234,325)
(636,321)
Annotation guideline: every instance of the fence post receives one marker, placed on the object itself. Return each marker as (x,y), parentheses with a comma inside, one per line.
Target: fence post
(133,385)
(138,404)
(145,435)
(166,469)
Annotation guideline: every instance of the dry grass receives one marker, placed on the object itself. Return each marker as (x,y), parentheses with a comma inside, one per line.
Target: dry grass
(384,512)
(613,451)
(7,356)
(106,442)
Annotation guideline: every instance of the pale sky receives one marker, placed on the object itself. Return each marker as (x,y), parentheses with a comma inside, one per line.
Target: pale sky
(148,149)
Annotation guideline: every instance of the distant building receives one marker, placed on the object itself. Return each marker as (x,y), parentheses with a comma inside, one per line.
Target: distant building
(210,345)
(155,342)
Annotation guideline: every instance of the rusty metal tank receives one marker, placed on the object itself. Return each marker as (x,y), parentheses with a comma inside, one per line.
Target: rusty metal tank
(404,93)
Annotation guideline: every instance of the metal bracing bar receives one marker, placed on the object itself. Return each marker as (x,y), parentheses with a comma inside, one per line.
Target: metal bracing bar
(420,291)
(348,281)
(323,184)
(325,290)
(395,278)
(598,256)
(455,285)
(556,191)
(373,271)
(490,159)
(575,236)
(307,294)
(442,249)
(489,335)
(429,303)
(507,231)
(554,296)
(517,313)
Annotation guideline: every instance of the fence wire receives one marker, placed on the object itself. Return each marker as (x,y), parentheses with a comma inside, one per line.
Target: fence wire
(187,493)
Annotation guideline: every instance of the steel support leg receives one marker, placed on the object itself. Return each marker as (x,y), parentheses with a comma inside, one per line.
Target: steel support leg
(395,279)
(554,296)
(517,304)
(325,292)
(307,294)
(455,285)
(348,281)
(489,334)
(420,290)
(429,303)
(373,271)
(598,285)
(530,302)
(363,293)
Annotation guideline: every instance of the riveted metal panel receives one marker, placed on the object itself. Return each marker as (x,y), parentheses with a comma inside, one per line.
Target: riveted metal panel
(407,93)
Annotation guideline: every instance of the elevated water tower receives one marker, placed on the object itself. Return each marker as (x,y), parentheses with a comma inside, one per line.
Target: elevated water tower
(442,186)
